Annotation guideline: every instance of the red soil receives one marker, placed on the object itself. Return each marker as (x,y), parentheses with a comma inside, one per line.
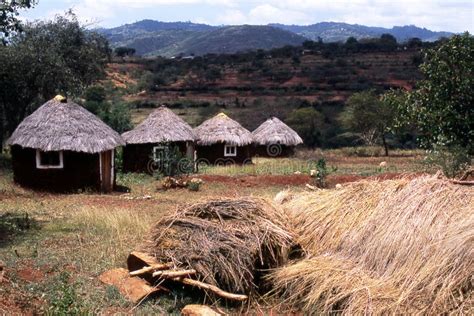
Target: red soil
(296,179)
(263,180)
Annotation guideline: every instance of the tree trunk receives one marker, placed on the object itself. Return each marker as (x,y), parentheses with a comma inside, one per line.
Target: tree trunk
(385,146)
(2,127)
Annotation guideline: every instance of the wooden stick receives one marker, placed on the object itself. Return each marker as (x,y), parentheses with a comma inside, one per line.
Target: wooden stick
(171,274)
(462,182)
(467,174)
(212,288)
(153,267)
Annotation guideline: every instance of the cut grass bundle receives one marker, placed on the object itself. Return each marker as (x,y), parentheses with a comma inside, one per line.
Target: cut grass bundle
(228,242)
(395,246)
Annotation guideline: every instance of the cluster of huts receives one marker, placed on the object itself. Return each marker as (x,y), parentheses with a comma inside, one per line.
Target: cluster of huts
(63,147)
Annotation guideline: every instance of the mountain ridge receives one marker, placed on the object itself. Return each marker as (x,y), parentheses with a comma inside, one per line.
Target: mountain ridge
(156,38)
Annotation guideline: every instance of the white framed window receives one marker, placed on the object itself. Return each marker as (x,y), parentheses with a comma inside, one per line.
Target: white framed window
(159,152)
(49,159)
(230,151)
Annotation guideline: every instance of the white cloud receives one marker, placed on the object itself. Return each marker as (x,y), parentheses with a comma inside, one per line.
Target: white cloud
(262,14)
(438,15)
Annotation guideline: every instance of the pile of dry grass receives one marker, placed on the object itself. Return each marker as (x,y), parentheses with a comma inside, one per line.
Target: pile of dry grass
(227,242)
(400,246)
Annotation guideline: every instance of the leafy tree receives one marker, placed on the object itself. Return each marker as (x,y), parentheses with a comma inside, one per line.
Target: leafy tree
(95,93)
(414,42)
(308,123)
(351,41)
(118,117)
(368,117)
(51,57)
(388,42)
(442,105)
(124,51)
(9,23)
(116,113)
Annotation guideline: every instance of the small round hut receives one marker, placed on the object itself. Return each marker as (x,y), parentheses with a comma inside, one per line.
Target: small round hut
(154,138)
(275,139)
(221,140)
(64,147)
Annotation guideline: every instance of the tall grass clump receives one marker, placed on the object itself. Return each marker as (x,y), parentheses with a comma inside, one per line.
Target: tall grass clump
(110,233)
(398,246)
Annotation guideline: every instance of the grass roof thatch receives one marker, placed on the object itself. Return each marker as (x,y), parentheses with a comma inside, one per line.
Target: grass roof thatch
(222,129)
(227,241)
(162,125)
(62,125)
(274,131)
(392,247)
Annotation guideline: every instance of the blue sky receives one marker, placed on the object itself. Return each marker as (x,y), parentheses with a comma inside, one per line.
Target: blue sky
(455,16)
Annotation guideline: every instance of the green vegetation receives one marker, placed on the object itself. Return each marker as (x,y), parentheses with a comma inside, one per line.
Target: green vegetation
(49,58)
(308,123)
(113,112)
(9,22)
(369,118)
(441,108)
(124,51)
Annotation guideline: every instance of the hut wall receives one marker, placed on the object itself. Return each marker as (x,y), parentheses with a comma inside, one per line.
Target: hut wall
(278,151)
(214,154)
(137,156)
(80,171)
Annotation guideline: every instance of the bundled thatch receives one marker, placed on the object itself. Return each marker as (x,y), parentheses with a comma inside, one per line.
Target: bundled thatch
(222,129)
(395,246)
(274,131)
(62,125)
(225,241)
(161,126)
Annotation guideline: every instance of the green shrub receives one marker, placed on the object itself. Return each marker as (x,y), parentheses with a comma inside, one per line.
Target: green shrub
(170,162)
(64,300)
(321,173)
(194,184)
(451,160)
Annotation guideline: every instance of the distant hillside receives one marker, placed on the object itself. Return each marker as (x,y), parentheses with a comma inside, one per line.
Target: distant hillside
(151,38)
(232,39)
(334,32)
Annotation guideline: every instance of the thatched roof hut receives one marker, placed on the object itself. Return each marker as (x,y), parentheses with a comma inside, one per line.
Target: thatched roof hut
(161,126)
(64,147)
(222,129)
(221,140)
(274,131)
(62,125)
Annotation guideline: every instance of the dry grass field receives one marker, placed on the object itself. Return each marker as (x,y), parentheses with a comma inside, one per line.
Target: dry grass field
(54,246)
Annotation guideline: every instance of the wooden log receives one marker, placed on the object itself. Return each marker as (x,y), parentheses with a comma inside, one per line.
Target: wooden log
(171,274)
(199,310)
(462,182)
(137,260)
(152,268)
(212,288)
(133,288)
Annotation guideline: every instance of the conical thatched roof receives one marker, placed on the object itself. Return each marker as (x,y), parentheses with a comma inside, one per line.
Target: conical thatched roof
(222,129)
(162,125)
(62,125)
(274,131)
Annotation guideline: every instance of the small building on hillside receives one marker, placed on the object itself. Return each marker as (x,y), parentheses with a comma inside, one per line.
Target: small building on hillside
(63,147)
(221,140)
(275,139)
(153,138)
